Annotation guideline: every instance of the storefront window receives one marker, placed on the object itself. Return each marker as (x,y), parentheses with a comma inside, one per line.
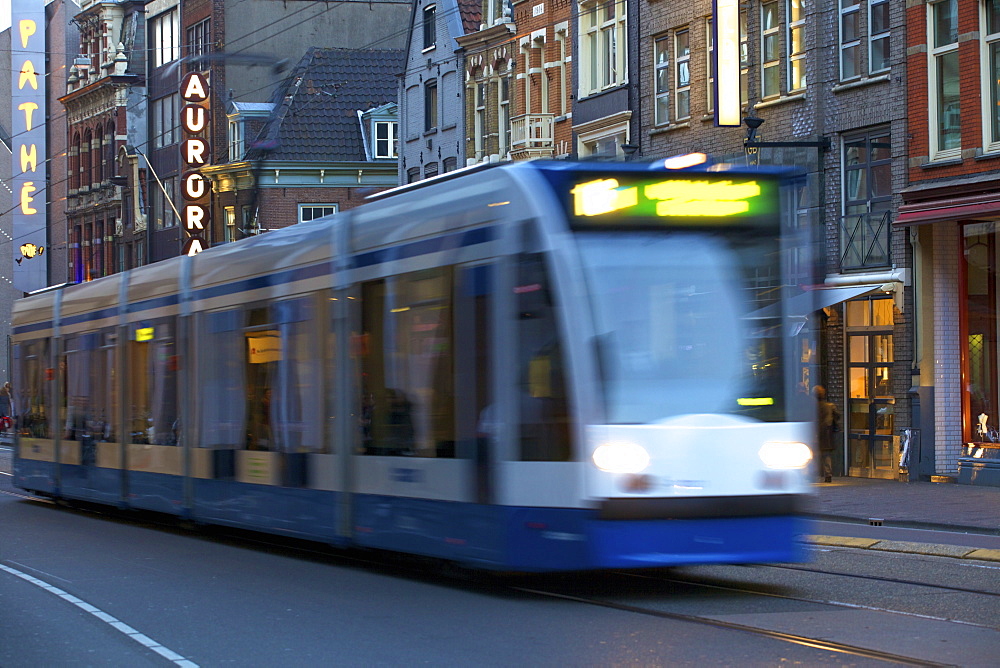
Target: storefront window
(981,258)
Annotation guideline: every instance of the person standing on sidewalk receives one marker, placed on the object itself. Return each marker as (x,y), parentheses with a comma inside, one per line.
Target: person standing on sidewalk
(5,408)
(827,424)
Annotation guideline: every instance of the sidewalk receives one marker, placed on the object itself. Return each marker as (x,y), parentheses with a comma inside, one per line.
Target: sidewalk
(928,505)
(966,509)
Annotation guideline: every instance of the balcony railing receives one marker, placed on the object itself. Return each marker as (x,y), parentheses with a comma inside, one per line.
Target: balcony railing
(532,134)
(864,240)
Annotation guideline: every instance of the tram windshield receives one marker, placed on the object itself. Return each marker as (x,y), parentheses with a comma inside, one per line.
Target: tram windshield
(672,335)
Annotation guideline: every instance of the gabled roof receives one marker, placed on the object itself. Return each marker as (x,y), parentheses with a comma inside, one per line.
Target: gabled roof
(315,117)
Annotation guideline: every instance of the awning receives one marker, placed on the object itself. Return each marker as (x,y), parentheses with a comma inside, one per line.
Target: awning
(808,302)
(979,207)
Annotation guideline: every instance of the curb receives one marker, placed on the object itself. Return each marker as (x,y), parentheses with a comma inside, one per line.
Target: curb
(905,524)
(980,554)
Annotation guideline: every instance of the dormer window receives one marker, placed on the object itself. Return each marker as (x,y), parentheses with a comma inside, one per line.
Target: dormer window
(236,143)
(430,27)
(386,140)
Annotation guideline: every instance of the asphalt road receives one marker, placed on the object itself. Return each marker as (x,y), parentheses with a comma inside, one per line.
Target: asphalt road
(80,588)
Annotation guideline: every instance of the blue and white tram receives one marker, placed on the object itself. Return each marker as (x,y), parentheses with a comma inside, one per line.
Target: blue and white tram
(532,366)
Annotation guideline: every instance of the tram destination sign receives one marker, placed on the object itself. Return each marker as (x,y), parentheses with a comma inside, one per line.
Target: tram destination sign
(674,200)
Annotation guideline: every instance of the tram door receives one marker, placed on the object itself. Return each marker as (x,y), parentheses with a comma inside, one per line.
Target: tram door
(871,404)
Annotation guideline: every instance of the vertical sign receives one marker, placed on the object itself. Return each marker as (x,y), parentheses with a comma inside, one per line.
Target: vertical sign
(727,66)
(28,113)
(195,154)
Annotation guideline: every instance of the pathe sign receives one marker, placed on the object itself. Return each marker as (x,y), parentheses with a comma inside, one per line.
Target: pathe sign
(28,114)
(196,153)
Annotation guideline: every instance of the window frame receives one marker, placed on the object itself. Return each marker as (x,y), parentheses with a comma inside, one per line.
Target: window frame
(873,37)
(661,79)
(603,43)
(316,210)
(199,43)
(795,61)
(935,84)
(846,8)
(166,110)
(236,139)
(682,68)
(392,140)
(766,35)
(990,77)
(165,43)
(430,105)
(876,206)
(429,16)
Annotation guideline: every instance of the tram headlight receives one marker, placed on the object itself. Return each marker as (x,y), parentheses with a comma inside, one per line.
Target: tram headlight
(621,457)
(785,454)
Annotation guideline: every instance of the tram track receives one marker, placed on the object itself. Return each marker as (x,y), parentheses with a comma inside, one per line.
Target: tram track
(876,578)
(806,641)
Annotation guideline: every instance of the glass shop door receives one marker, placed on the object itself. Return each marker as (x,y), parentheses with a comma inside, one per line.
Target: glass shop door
(871,451)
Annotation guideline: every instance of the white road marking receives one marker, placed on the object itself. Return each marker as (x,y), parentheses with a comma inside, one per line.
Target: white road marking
(118,625)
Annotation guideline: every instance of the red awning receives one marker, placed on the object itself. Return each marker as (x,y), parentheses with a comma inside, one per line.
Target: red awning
(952,209)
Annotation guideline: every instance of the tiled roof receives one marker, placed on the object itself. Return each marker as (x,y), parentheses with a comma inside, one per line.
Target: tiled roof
(315,118)
(471,12)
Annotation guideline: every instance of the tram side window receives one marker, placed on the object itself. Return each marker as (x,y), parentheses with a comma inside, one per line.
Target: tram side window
(88,406)
(153,416)
(408,365)
(220,363)
(284,395)
(31,388)
(543,409)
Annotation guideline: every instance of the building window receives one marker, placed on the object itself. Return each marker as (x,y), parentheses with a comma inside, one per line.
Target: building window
(199,43)
(605,142)
(163,199)
(945,105)
(744,58)
(504,120)
(682,73)
(449,164)
(878,27)
(563,83)
(230,215)
(710,42)
(867,178)
(990,68)
(770,49)
(796,48)
(235,139)
(603,45)
(165,36)
(309,212)
(413,175)
(850,39)
(494,11)
(430,105)
(430,27)
(430,169)
(661,80)
(479,120)
(165,128)
(386,140)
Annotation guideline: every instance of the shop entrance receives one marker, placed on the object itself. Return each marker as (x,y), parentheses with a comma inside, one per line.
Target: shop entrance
(871,403)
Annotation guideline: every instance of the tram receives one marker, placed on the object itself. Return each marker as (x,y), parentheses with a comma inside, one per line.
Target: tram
(538,366)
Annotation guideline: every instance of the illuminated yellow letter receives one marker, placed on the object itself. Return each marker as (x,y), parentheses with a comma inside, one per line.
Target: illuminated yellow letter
(29,157)
(27,188)
(28,74)
(28,108)
(28,29)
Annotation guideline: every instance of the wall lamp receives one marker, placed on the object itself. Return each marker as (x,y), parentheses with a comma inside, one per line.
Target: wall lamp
(753,123)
